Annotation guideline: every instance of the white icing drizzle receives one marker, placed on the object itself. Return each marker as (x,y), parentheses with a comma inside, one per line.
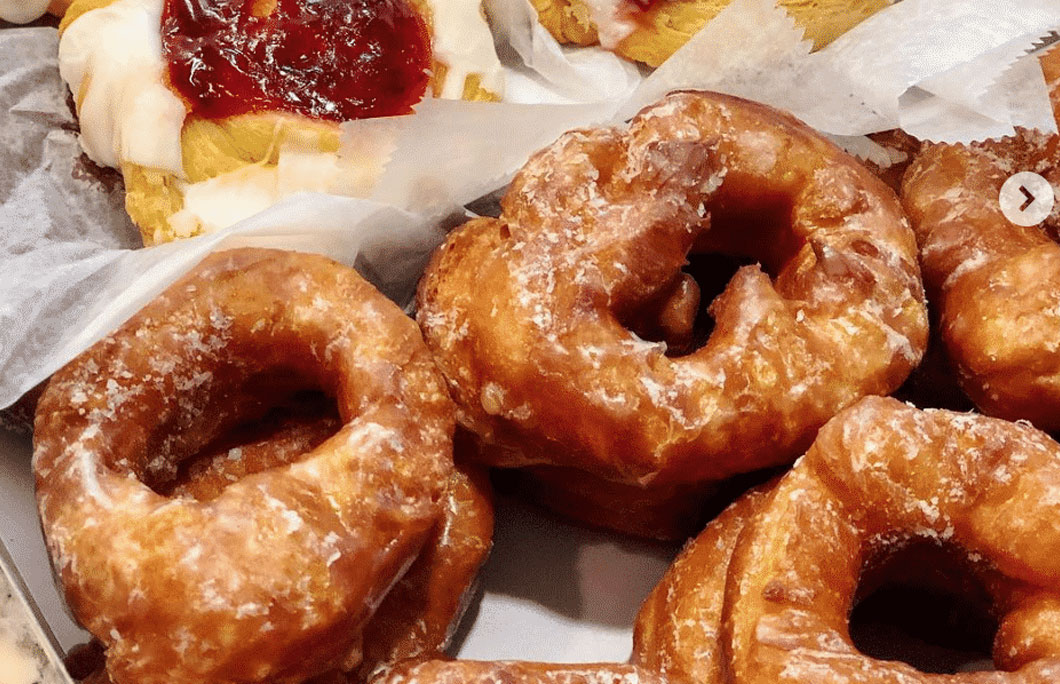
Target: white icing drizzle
(611,24)
(463,42)
(224,200)
(22,11)
(112,60)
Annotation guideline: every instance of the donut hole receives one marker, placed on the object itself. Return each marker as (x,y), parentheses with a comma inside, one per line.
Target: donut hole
(745,229)
(272,419)
(923,605)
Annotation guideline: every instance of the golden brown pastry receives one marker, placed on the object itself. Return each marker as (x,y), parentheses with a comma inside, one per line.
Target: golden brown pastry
(666,513)
(650,31)
(677,628)
(880,478)
(886,494)
(272,579)
(996,285)
(234,108)
(528,315)
(419,615)
(483,672)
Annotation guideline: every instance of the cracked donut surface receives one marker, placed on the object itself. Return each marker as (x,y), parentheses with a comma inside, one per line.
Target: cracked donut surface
(527,314)
(274,577)
(996,285)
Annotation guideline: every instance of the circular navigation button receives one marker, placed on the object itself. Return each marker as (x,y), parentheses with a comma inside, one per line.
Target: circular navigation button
(1026,199)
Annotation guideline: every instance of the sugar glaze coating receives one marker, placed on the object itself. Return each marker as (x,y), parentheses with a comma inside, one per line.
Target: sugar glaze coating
(996,285)
(272,579)
(764,594)
(527,314)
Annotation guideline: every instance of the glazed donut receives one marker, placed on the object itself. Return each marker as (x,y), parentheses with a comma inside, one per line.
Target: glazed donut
(420,614)
(677,628)
(230,110)
(525,314)
(484,672)
(880,477)
(650,31)
(996,285)
(667,513)
(298,427)
(274,578)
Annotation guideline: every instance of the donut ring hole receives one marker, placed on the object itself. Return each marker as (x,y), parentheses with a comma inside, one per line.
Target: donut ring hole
(286,432)
(746,225)
(236,412)
(923,605)
(279,406)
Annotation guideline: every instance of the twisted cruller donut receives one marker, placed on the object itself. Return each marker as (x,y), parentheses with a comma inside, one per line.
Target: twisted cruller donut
(996,285)
(525,313)
(273,578)
(880,477)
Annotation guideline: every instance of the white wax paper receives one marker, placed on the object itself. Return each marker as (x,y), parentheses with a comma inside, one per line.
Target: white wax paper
(956,52)
(574,74)
(69,258)
(453,152)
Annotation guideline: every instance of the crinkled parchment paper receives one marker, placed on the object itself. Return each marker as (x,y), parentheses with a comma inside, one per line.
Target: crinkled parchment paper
(71,265)
(70,270)
(912,65)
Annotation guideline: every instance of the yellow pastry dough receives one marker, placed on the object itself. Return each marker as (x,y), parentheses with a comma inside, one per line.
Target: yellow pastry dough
(659,31)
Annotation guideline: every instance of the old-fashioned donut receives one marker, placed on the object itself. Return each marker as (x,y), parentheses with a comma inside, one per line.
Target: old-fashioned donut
(882,476)
(274,578)
(527,314)
(996,285)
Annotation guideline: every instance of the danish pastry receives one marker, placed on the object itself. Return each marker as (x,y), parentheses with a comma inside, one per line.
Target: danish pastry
(234,105)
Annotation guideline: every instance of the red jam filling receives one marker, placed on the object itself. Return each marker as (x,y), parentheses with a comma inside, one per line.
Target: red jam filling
(643,5)
(326,59)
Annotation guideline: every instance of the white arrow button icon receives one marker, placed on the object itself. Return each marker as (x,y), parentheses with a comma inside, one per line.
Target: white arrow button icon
(1026,199)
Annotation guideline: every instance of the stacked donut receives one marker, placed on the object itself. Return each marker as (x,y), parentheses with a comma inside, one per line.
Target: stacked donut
(337,543)
(764,593)
(202,539)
